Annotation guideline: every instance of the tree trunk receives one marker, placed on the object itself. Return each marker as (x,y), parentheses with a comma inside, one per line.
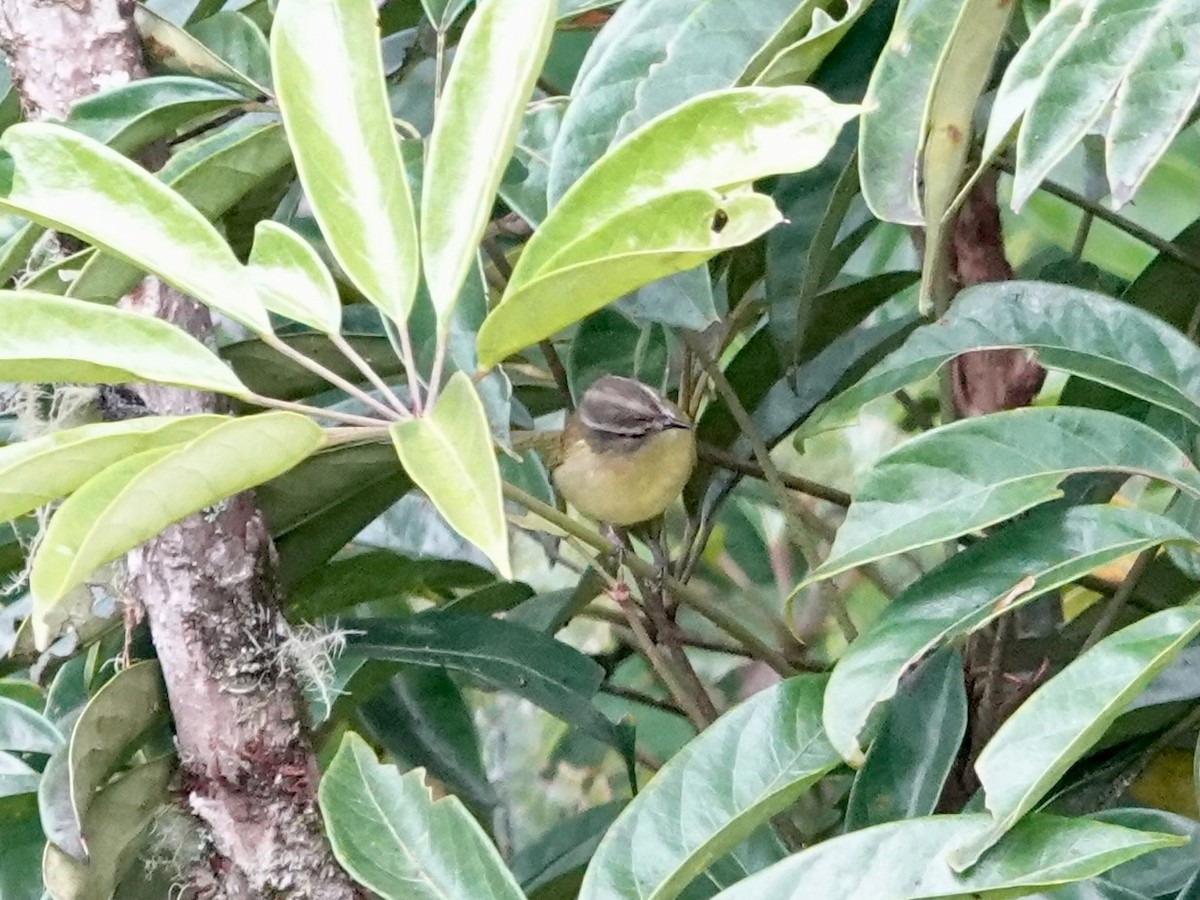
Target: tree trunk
(208,584)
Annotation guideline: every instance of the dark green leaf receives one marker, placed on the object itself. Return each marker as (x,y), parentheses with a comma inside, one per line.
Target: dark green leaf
(422,718)
(551,868)
(379,575)
(544,671)
(915,751)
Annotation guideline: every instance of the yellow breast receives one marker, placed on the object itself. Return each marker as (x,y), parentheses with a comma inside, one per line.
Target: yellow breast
(623,488)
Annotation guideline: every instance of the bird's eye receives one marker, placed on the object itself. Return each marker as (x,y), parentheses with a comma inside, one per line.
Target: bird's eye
(720,220)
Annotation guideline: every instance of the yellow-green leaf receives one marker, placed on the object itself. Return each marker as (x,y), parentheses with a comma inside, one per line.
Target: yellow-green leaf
(495,67)
(716,141)
(73,183)
(35,472)
(133,500)
(329,82)
(291,278)
(50,339)
(667,235)
(449,455)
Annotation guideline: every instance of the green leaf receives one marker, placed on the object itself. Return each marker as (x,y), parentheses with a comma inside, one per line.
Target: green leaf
(548,673)
(212,174)
(977,472)
(797,62)
(607,342)
(117,819)
(715,142)
(1163,286)
(32,473)
(892,134)
(1164,872)
(916,749)
(1063,718)
(238,42)
(753,763)
(650,57)
(135,499)
(670,234)
(448,454)
(392,837)
(131,116)
(497,62)
(523,186)
(340,127)
(49,339)
(421,717)
(217,171)
(675,185)
(552,866)
(379,575)
(171,48)
(317,508)
(1136,57)
(1074,330)
(22,730)
(111,727)
(901,861)
(442,13)
(16,777)
(1021,562)
(292,280)
(67,181)
(21,850)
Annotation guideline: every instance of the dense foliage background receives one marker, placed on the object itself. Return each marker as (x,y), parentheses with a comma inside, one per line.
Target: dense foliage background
(926,276)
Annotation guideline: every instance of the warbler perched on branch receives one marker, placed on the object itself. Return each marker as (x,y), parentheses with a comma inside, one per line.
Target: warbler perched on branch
(626,452)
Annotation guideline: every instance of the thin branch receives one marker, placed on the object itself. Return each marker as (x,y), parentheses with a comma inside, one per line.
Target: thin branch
(316,412)
(635,696)
(667,635)
(348,351)
(649,650)
(686,637)
(439,74)
(335,437)
(329,375)
(1165,247)
(718,457)
(715,612)
(771,473)
(1119,598)
(409,360)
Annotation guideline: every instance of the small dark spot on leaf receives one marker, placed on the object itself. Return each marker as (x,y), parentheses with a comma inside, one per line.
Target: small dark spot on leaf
(720,220)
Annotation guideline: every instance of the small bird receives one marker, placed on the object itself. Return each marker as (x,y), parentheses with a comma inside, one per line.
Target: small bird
(626,452)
